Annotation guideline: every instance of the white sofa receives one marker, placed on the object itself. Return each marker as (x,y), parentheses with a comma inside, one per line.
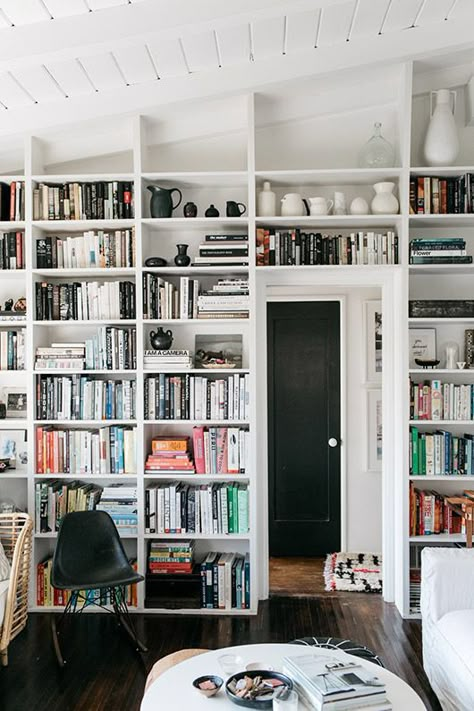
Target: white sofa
(447,609)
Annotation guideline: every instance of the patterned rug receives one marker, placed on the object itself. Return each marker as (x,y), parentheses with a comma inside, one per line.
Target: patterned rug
(353,572)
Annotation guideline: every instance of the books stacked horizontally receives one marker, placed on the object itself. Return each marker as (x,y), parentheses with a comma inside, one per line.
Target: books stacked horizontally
(12,350)
(325,682)
(83,201)
(221,450)
(12,201)
(415,590)
(92,249)
(167,360)
(54,499)
(169,455)
(81,301)
(440,196)
(431,250)
(12,250)
(171,557)
(229,298)
(225,581)
(81,397)
(227,250)
(60,355)
(120,502)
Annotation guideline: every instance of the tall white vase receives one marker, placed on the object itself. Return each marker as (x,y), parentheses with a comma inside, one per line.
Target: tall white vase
(442,142)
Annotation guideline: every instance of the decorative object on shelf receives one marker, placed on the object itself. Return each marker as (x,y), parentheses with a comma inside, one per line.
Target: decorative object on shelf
(461,364)
(384,202)
(293,205)
(190,209)
(161,340)
(359,206)
(451,355)
(320,206)
(469,347)
(235,209)
(377,152)
(442,142)
(13,446)
(441,308)
(374,439)
(340,203)
(373,338)
(218,351)
(8,305)
(266,201)
(422,346)
(20,305)
(161,203)
(182,259)
(427,363)
(212,211)
(155,262)
(16,402)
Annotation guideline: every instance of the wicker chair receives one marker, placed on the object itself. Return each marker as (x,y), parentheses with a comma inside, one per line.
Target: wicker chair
(16,535)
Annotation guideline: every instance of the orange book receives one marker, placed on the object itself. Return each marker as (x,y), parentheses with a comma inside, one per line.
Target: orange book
(12,200)
(39,451)
(178,444)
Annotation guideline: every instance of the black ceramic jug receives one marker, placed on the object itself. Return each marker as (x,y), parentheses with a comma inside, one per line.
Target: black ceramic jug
(161,203)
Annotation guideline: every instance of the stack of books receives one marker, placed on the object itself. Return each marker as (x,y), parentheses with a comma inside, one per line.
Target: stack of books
(440,196)
(229,298)
(92,249)
(164,300)
(429,514)
(79,397)
(323,683)
(12,250)
(171,557)
(83,201)
(120,502)
(69,356)
(225,581)
(54,499)
(221,450)
(167,360)
(81,301)
(12,201)
(226,250)
(12,350)
(170,455)
(431,250)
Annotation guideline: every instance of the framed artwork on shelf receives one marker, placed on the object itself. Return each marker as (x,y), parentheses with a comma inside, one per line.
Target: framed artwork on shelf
(373,340)
(15,401)
(13,449)
(374,432)
(422,344)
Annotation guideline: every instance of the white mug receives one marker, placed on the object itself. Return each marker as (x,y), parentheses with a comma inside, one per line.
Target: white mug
(320,206)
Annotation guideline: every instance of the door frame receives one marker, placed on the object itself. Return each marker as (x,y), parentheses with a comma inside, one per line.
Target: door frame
(341,299)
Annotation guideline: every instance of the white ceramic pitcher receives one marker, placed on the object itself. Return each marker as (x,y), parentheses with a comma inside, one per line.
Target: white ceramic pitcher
(320,206)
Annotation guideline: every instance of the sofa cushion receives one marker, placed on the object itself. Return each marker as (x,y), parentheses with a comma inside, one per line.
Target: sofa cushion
(4,564)
(456,627)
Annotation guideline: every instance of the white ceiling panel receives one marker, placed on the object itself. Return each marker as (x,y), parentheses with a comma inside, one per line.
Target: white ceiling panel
(70,77)
(335,23)
(38,82)
(103,72)
(233,44)
(267,37)
(200,51)
(102,4)
(369,18)
(434,11)
(24,12)
(461,8)
(301,30)
(66,8)
(11,94)
(135,64)
(401,15)
(168,58)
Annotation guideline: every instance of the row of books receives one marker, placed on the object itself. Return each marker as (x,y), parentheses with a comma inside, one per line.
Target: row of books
(167,360)
(91,249)
(293,247)
(49,596)
(12,201)
(170,455)
(209,509)
(228,298)
(12,349)
(221,450)
(83,201)
(12,250)
(81,301)
(85,452)
(228,250)
(429,514)
(446,250)
(120,502)
(439,196)
(170,557)
(441,453)
(225,581)
(79,397)
(434,400)
(193,397)
(111,349)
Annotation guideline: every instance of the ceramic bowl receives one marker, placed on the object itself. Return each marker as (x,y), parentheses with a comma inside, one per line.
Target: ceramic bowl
(255,703)
(253,666)
(208,677)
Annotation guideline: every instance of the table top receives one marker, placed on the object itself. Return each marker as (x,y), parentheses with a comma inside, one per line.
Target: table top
(174,690)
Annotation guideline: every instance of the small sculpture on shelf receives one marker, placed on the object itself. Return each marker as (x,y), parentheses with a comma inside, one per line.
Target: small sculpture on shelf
(384,202)
(266,201)
(182,259)
(212,211)
(190,209)
(8,305)
(20,305)
(155,262)
(213,359)
(161,340)
(359,206)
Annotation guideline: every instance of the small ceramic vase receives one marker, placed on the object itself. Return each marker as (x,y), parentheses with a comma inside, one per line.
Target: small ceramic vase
(442,142)
(182,259)
(190,210)
(212,211)
(359,206)
(384,202)
(161,340)
(266,201)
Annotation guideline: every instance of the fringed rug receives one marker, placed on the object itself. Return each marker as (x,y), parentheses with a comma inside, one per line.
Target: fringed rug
(353,572)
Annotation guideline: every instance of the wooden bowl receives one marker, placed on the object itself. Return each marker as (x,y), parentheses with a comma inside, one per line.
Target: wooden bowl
(208,677)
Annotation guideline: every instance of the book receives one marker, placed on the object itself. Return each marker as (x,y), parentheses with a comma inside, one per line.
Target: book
(83,201)
(79,397)
(99,249)
(85,300)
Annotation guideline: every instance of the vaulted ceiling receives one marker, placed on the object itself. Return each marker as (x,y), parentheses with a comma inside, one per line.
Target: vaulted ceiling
(82,58)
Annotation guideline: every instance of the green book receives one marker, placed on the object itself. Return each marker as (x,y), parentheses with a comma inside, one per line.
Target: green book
(230,508)
(414,451)
(422,454)
(235,497)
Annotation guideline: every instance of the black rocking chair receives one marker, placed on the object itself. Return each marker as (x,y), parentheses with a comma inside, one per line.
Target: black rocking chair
(89,557)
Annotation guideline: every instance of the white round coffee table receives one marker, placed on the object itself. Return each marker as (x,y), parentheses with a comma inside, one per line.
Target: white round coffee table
(173,690)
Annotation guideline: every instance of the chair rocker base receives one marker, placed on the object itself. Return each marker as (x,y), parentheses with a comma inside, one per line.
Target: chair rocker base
(119,610)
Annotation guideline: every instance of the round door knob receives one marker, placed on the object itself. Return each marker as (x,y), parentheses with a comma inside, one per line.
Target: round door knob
(333,442)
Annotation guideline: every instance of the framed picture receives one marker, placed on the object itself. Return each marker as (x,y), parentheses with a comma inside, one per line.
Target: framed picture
(373,338)
(422,344)
(218,350)
(15,400)
(14,449)
(374,434)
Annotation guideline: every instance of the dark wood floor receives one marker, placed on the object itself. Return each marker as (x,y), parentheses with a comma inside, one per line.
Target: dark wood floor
(297,576)
(104,674)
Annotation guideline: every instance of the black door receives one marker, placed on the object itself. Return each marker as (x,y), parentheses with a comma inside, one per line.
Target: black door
(303,415)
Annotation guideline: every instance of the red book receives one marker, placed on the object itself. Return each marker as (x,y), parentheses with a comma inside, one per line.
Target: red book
(39,450)
(19,251)
(198,444)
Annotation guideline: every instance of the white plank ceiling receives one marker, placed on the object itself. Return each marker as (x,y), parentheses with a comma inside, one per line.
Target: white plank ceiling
(181,43)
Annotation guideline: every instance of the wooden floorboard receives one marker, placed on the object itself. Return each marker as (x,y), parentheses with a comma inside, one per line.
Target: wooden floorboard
(105,674)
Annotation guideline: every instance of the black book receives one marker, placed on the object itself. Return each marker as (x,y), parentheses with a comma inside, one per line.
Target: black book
(4,202)
(120,212)
(49,301)
(127,200)
(226,238)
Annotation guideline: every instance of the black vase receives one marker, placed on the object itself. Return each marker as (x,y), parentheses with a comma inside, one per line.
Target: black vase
(182,259)
(212,211)
(161,340)
(190,210)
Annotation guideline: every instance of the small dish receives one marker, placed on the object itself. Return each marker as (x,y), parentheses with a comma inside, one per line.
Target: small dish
(253,666)
(207,680)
